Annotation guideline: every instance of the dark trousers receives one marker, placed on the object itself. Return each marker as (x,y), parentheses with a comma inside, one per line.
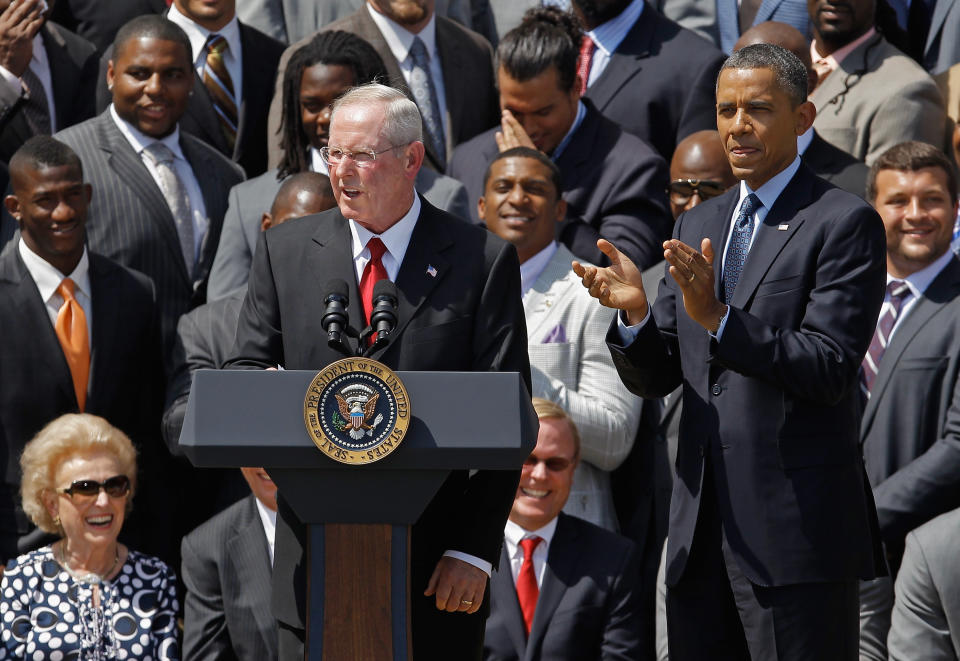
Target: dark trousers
(715,612)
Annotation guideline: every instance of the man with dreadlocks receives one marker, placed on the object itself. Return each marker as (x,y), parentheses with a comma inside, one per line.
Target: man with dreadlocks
(319,72)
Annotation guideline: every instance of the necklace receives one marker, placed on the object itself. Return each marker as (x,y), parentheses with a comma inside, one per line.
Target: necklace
(87,577)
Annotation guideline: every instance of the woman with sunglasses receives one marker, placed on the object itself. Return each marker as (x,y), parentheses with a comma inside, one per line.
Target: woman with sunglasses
(85,596)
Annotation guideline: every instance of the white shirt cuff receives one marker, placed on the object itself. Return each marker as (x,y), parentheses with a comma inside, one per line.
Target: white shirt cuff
(629,333)
(723,322)
(12,82)
(479,563)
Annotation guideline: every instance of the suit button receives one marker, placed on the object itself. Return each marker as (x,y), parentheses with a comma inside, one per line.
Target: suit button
(716,389)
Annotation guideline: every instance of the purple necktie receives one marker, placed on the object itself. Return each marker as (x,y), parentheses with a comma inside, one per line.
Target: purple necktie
(898,291)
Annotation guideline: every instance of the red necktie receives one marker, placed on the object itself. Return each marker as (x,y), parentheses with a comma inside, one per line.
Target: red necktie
(372,272)
(527,590)
(587,48)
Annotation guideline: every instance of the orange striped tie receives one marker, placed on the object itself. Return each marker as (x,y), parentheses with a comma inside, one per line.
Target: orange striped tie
(71,329)
(217,80)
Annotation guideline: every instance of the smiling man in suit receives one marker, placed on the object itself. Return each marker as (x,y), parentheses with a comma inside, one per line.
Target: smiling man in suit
(763,315)
(565,589)
(159,193)
(458,309)
(80,332)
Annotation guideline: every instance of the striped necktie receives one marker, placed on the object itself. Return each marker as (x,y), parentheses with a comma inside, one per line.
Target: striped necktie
(425,95)
(35,105)
(898,292)
(217,80)
(584,62)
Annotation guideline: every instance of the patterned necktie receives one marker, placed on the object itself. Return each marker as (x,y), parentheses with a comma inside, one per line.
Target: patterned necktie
(373,272)
(71,327)
(739,245)
(217,80)
(898,292)
(527,590)
(35,106)
(425,94)
(587,49)
(177,199)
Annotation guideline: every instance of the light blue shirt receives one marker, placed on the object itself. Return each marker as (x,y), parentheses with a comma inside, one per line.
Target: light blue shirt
(608,36)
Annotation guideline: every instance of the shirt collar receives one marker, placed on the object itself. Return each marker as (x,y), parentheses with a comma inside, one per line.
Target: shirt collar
(198,34)
(531,269)
(804,140)
(269,520)
(577,121)
(513,533)
(48,278)
(140,141)
(836,57)
(608,36)
(770,191)
(396,238)
(399,39)
(919,281)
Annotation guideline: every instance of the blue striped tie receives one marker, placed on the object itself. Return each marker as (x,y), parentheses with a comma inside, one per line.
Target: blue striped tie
(739,245)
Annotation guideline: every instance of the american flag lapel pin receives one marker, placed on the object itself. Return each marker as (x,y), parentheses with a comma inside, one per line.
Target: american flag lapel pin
(431,271)
(783,227)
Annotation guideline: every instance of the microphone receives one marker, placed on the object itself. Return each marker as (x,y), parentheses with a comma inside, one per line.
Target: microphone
(335,320)
(383,319)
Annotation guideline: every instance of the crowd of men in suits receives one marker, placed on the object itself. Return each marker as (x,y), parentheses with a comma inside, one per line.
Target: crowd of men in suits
(738,458)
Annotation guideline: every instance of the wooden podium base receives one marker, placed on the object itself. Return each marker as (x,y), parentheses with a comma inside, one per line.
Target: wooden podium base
(359,603)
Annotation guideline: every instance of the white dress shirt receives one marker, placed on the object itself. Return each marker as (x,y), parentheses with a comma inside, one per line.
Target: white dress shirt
(399,40)
(531,269)
(48,279)
(268,518)
(139,141)
(198,35)
(40,66)
(512,534)
(608,36)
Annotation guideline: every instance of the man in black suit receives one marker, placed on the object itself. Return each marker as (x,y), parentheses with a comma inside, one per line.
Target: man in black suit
(613,182)
(565,588)
(828,162)
(764,316)
(159,194)
(226,568)
(645,72)
(99,21)
(459,309)
(460,71)
(119,378)
(47,75)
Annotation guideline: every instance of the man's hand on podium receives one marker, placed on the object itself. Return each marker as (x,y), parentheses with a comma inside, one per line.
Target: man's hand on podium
(458,585)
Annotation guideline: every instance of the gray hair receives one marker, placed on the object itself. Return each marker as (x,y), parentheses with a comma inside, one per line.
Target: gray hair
(788,70)
(402,124)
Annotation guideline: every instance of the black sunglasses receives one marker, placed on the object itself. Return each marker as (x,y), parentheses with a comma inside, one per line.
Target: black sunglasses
(681,190)
(553,464)
(116,487)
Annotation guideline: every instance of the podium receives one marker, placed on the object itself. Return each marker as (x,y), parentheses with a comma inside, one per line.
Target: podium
(359,517)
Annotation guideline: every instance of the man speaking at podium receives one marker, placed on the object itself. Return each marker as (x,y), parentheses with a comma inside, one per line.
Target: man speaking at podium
(459,308)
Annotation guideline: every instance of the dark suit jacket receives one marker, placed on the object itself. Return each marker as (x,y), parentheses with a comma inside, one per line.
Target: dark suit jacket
(260,57)
(467,317)
(911,424)
(836,166)
(774,402)
(468,79)
(99,21)
(129,219)
(73,72)
(226,570)
(613,183)
(660,82)
(125,379)
(588,606)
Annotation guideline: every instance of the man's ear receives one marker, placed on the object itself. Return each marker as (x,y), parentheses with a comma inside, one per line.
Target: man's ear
(481,208)
(806,113)
(266,222)
(110,75)
(561,210)
(13,206)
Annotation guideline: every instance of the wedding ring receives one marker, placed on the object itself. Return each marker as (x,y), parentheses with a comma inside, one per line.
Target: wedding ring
(693,276)
(464,602)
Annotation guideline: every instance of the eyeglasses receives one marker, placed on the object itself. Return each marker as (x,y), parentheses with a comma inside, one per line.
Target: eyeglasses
(681,190)
(553,464)
(116,487)
(362,157)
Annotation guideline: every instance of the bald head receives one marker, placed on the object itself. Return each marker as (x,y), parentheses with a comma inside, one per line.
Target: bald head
(699,157)
(300,195)
(785,36)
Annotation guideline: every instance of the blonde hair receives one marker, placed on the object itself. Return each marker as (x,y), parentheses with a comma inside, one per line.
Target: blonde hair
(551,410)
(60,440)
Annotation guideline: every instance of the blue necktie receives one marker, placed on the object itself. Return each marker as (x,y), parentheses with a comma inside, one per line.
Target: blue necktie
(739,245)
(425,94)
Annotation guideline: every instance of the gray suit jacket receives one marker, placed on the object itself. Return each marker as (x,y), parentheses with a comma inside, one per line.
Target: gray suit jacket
(877,98)
(250,199)
(570,365)
(468,80)
(701,16)
(226,570)
(942,49)
(926,613)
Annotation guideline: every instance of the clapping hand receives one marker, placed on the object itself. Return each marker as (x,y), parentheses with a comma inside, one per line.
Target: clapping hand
(619,285)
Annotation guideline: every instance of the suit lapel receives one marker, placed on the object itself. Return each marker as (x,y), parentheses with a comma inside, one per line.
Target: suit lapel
(541,300)
(456,80)
(626,61)
(64,87)
(207,173)
(942,291)
(501,583)
(716,229)
(334,256)
(830,91)
(251,559)
(940,10)
(128,167)
(557,575)
(201,111)
(253,104)
(106,313)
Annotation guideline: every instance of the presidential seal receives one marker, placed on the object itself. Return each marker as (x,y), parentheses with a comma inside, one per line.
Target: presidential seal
(356,411)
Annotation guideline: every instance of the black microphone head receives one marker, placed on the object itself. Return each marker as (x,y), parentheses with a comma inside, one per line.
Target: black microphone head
(337,287)
(385,288)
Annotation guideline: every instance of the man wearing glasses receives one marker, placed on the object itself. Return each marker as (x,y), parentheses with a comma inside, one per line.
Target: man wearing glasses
(459,309)
(699,170)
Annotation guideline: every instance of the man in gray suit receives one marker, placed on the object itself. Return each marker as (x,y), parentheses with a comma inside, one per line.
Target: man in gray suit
(926,615)
(870,96)
(565,326)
